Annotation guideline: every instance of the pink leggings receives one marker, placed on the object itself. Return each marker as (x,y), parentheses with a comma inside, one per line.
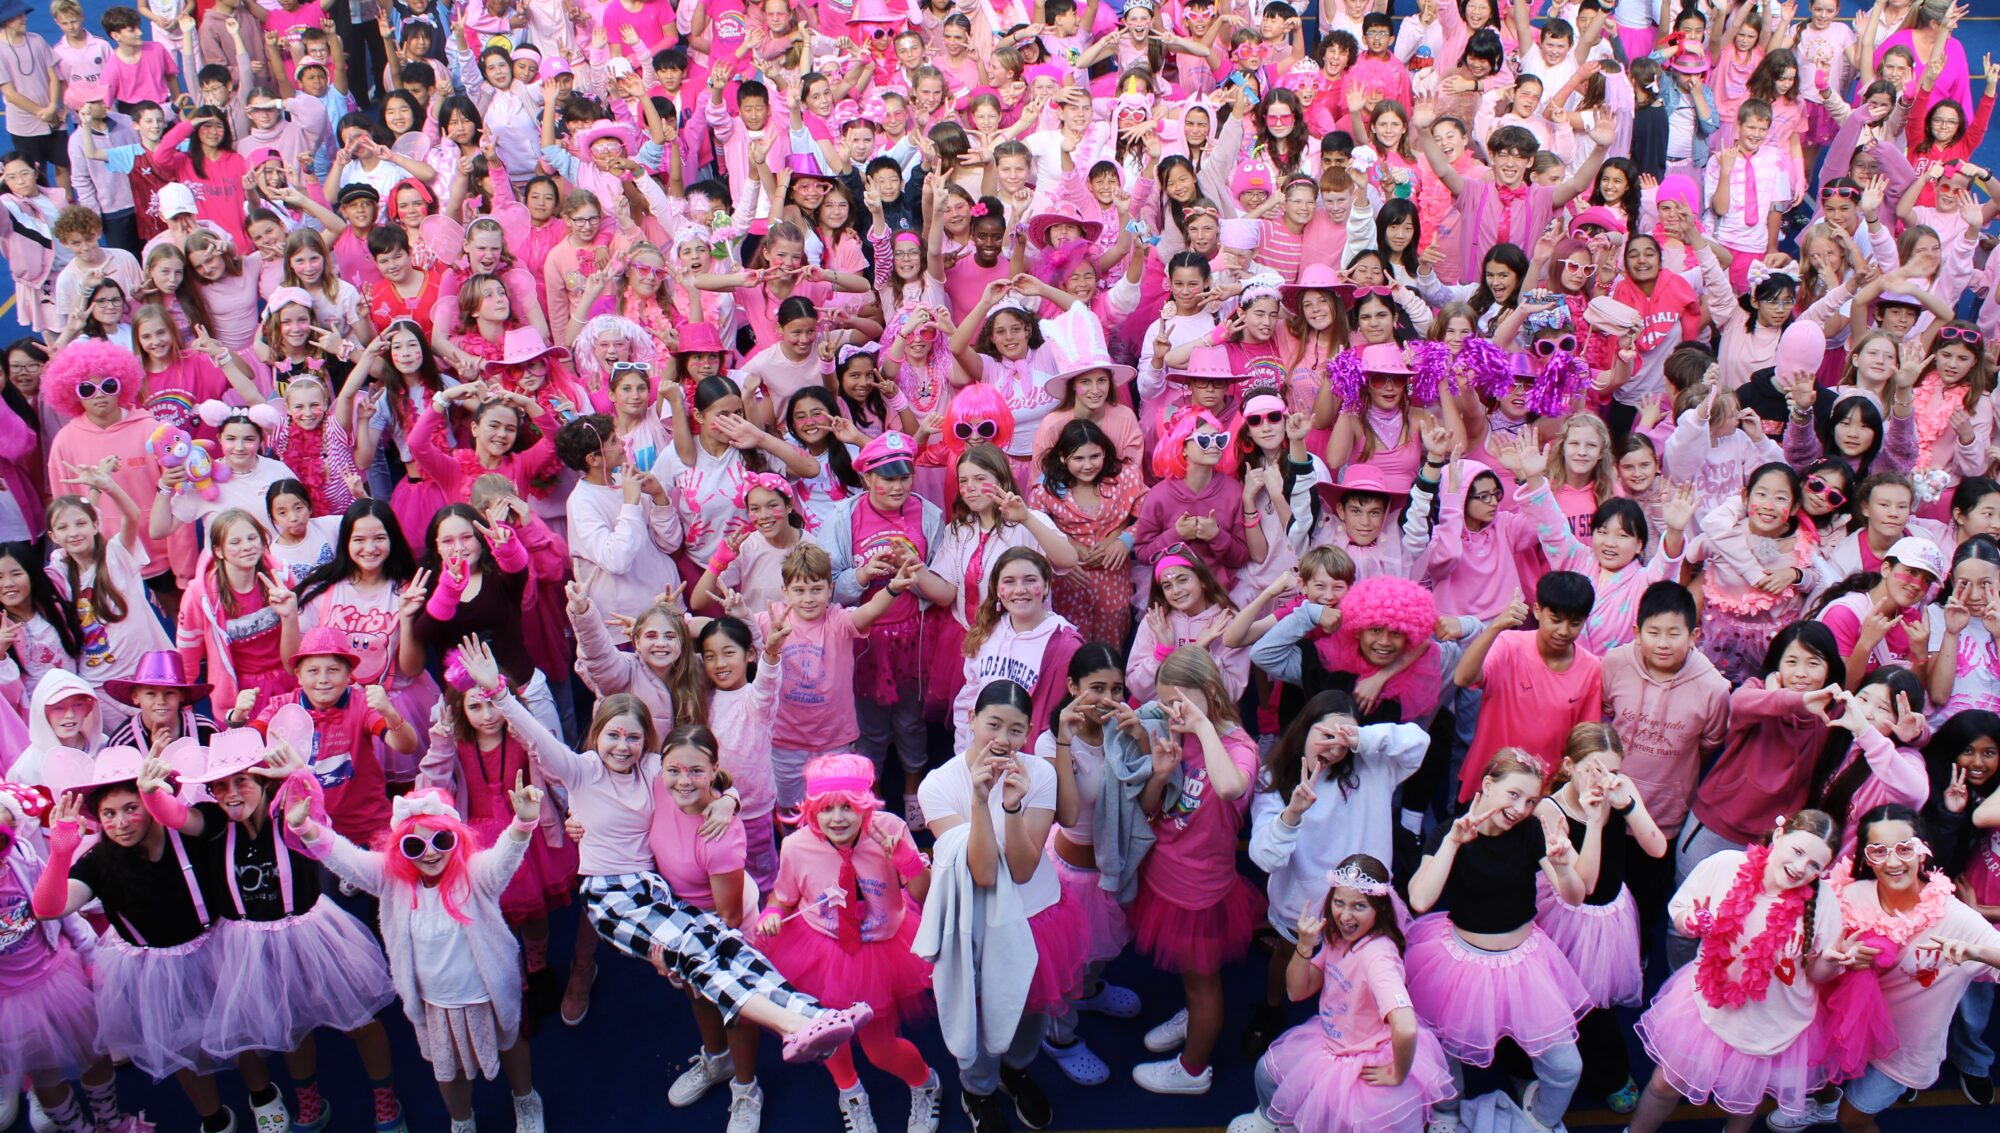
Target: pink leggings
(887,1050)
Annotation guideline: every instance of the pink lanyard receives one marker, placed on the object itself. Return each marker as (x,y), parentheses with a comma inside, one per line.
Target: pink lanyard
(284,857)
(193,886)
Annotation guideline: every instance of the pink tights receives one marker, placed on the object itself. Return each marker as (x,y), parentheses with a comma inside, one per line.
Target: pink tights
(887,1050)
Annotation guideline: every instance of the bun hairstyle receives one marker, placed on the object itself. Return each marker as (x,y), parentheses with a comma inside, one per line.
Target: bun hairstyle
(90,360)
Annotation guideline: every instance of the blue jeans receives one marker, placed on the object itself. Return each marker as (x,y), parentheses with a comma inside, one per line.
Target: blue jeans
(1874,1091)
(1969,1050)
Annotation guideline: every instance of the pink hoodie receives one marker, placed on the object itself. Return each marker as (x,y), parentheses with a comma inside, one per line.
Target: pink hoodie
(1667,726)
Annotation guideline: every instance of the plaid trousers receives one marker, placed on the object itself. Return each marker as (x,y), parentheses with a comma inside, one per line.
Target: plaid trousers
(635,911)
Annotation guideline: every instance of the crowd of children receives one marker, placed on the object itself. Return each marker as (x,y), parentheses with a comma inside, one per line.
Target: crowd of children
(875,503)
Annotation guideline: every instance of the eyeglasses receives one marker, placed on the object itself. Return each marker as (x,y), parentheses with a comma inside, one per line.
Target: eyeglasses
(1359,293)
(1818,485)
(1547,347)
(645,271)
(1588,270)
(1907,850)
(1211,441)
(415,846)
(87,390)
(584,219)
(1960,334)
(984,430)
(1489,496)
(631,367)
(1274,417)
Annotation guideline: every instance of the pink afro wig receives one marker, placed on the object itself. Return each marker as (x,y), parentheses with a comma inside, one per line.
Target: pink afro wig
(90,360)
(1391,603)
(835,779)
(1170,451)
(455,885)
(974,404)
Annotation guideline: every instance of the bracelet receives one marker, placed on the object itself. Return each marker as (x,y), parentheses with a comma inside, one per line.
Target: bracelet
(1005,809)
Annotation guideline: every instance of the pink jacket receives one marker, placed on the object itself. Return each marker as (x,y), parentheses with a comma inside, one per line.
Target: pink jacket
(1469,572)
(1614,615)
(31,262)
(733,138)
(20,457)
(1765,769)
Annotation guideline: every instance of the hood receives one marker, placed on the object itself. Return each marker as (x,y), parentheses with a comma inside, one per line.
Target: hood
(1698,666)
(58,684)
(1037,637)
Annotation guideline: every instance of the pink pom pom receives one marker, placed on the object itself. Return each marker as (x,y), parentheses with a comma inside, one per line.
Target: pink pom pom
(1348,379)
(1564,378)
(1431,363)
(1488,367)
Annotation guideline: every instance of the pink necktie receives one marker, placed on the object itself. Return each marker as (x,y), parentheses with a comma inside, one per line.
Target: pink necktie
(1750,191)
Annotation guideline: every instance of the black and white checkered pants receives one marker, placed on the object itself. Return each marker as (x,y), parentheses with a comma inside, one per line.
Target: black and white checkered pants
(634,911)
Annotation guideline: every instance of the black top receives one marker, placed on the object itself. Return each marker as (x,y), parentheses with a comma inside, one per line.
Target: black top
(1762,394)
(256,871)
(1611,857)
(149,902)
(1492,884)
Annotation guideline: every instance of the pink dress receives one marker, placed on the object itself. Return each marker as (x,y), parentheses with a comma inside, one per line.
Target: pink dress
(857,894)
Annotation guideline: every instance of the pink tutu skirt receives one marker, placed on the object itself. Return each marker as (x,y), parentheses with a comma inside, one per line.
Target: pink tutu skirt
(1323,1092)
(50,1029)
(884,973)
(944,643)
(1196,940)
(1473,998)
(543,883)
(153,1003)
(1600,941)
(1106,931)
(279,981)
(1704,1068)
(1060,948)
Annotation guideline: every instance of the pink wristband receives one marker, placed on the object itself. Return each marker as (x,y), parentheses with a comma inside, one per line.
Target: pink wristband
(724,555)
(1219,335)
(908,862)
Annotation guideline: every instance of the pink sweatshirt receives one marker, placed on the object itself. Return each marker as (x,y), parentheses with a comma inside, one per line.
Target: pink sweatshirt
(1469,572)
(1895,775)
(80,443)
(1766,765)
(1142,666)
(1169,500)
(1667,726)
(1614,615)
(742,720)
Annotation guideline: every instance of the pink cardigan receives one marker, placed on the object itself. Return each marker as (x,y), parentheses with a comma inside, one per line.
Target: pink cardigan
(20,457)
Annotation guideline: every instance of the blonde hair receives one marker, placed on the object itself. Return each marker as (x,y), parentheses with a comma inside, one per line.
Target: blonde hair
(807,562)
(1603,478)
(1194,667)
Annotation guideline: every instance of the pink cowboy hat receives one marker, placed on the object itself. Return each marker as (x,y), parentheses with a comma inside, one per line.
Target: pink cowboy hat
(68,769)
(1359,478)
(161,668)
(324,641)
(523,345)
(1313,277)
(1063,213)
(1206,364)
(619,132)
(698,338)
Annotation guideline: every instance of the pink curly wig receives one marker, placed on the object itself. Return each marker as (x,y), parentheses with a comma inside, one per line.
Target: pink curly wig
(85,360)
(974,404)
(455,885)
(1170,451)
(822,776)
(1388,602)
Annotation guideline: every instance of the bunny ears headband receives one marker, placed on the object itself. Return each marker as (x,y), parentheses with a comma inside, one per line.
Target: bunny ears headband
(216,414)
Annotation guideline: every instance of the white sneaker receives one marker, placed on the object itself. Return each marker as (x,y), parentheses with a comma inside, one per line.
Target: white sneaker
(1170,1077)
(528,1116)
(469,1125)
(1528,1108)
(1253,1122)
(272,1117)
(1170,1035)
(746,1108)
(708,1071)
(1448,1123)
(856,1112)
(1816,1112)
(924,1106)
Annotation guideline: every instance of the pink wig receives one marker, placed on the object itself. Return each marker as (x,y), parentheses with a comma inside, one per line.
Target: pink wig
(583,352)
(974,404)
(1170,451)
(90,360)
(841,778)
(455,885)
(1390,603)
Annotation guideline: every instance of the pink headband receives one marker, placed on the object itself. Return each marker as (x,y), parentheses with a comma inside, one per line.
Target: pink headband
(829,783)
(772,482)
(1169,562)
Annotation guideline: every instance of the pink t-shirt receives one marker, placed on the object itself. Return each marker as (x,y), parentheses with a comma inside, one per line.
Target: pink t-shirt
(781,376)
(1843,616)
(172,395)
(1921,991)
(1528,706)
(809,866)
(1363,984)
(816,698)
(686,859)
(80,64)
(1193,864)
(653,22)
(141,81)
(758,572)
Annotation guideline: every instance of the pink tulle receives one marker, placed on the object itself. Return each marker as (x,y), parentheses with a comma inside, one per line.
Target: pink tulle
(1060,946)
(1196,940)
(1106,929)
(1473,998)
(1323,1091)
(279,981)
(884,973)
(153,1003)
(1855,1027)
(1600,941)
(49,1028)
(1699,1064)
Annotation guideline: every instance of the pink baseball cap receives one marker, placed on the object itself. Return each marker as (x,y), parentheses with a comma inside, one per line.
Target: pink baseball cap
(891,454)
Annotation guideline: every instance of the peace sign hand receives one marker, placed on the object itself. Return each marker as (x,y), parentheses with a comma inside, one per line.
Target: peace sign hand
(1957,795)
(781,628)
(284,601)
(410,602)
(1909,725)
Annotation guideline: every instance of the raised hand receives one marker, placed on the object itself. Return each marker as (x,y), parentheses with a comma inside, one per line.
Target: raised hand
(1957,795)
(479,663)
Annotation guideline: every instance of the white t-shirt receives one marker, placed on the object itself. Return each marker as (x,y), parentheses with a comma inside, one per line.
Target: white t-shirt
(447,974)
(948,791)
(1087,761)
(113,649)
(1790,1004)
(316,549)
(1977,684)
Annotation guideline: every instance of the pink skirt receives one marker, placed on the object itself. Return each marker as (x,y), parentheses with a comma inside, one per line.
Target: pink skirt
(884,973)
(1698,1063)
(1473,998)
(1060,959)
(153,1003)
(944,643)
(1106,931)
(1323,1091)
(1600,941)
(463,1041)
(280,981)
(49,1030)
(1196,940)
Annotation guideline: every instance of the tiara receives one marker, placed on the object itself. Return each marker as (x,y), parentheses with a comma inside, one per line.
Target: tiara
(1349,876)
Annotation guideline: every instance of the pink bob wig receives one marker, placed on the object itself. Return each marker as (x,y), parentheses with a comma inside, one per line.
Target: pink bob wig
(455,885)
(90,360)
(1170,451)
(975,405)
(835,779)
(1388,602)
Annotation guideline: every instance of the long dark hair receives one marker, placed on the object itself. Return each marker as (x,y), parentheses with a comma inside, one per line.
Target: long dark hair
(434,562)
(713,389)
(1075,435)
(1871,417)
(1397,210)
(195,156)
(837,458)
(32,344)
(1629,204)
(1957,734)
(1811,636)
(1284,764)
(42,593)
(1091,657)
(1834,793)
(401,565)
(1384,906)
(1887,812)
(1515,260)
(1981,547)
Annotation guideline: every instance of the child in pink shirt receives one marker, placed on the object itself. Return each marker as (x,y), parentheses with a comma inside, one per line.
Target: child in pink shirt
(838,924)
(1538,684)
(742,714)
(136,71)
